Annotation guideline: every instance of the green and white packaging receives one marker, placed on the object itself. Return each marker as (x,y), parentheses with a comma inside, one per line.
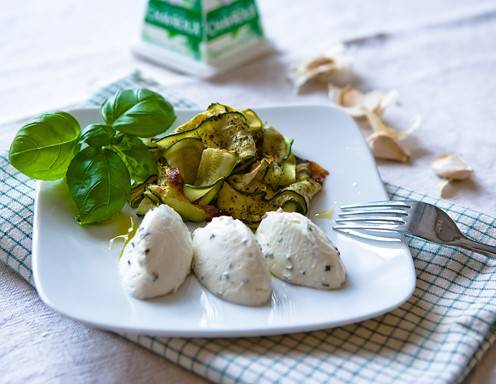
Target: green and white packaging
(202,37)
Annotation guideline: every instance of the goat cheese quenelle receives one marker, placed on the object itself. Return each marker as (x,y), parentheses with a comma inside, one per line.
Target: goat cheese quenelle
(157,260)
(228,261)
(299,252)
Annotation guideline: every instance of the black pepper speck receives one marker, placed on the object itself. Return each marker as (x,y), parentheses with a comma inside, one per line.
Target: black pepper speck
(303,272)
(279,240)
(147,251)
(325,285)
(327,268)
(212,236)
(129,262)
(154,276)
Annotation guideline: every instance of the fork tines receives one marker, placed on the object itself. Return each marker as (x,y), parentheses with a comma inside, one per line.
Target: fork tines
(380,204)
(375,216)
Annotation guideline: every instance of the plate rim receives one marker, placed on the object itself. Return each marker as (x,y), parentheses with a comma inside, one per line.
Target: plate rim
(220,332)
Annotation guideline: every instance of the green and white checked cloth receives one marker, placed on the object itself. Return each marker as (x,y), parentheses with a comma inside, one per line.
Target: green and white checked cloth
(435,337)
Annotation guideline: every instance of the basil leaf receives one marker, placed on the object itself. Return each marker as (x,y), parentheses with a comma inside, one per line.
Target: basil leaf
(138,112)
(97,135)
(136,156)
(44,147)
(99,184)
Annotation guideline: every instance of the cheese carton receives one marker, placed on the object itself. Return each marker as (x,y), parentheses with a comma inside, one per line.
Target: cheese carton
(201,37)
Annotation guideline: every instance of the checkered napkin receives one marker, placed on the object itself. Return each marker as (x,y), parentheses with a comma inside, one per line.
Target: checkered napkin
(435,337)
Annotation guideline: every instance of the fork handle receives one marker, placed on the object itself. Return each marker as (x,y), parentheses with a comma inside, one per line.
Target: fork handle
(472,245)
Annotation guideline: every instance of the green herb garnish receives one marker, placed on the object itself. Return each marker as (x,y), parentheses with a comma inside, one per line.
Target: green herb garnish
(100,163)
(43,148)
(99,184)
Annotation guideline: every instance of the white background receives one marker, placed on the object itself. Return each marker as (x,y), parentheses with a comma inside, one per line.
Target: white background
(440,55)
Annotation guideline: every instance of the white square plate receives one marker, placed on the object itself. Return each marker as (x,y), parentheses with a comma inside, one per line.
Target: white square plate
(76,273)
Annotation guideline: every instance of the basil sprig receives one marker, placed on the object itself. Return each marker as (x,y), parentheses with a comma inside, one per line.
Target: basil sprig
(44,147)
(102,162)
(138,112)
(135,155)
(99,184)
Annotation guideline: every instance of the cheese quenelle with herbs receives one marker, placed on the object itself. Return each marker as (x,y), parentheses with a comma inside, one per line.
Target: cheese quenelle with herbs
(157,260)
(299,252)
(228,261)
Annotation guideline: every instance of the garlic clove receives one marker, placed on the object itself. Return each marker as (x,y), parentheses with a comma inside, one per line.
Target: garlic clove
(320,74)
(334,55)
(452,167)
(350,99)
(322,68)
(357,103)
(387,147)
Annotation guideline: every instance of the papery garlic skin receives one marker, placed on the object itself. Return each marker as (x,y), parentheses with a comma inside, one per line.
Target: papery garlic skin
(446,188)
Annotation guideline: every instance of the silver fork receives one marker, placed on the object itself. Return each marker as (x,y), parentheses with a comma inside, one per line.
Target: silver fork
(406,217)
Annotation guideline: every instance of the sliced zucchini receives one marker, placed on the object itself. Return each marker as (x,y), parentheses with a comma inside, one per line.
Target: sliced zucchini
(288,171)
(307,188)
(215,164)
(185,155)
(212,110)
(146,204)
(211,194)
(275,144)
(175,199)
(253,120)
(228,130)
(169,190)
(256,125)
(273,175)
(252,182)
(218,108)
(138,190)
(230,157)
(193,122)
(243,181)
(202,194)
(302,171)
(250,208)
